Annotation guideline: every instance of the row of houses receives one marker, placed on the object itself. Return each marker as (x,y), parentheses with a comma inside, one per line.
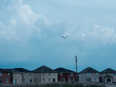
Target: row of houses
(45,74)
(42,74)
(91,75)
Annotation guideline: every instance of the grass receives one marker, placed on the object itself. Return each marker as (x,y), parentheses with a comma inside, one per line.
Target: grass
(51,85)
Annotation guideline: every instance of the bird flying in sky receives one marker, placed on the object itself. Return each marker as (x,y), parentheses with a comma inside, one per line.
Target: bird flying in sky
(64,37)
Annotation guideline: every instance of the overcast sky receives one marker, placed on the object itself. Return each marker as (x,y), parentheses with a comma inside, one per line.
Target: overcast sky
(31,30)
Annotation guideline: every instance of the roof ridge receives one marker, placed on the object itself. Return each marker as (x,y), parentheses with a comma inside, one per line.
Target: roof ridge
(108,70)
(44,69)
(89,70)
(63,70)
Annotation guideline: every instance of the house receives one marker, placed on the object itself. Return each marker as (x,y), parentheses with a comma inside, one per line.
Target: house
(108,76)
(45,74)
(27,76)
(5,76)
(89,75)
(66,75)
(16,76)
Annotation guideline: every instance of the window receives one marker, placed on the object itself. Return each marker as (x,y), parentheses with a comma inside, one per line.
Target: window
(97,73)
(23,74)
(29,74)
(0,80)
(69,79)
(63,79)
(6,80)
(60,73)
(49,74)
(30,80)
(71,74)
(15,80)
(95,79)
(14,74)
(88,74)
(55,73)
(0,74)
(73,79)
(8,73)
(43,74)
(88,79)
(114,74)
(43,79)
(49,79)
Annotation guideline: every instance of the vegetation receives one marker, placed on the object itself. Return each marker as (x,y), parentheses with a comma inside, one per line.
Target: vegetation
(51,85)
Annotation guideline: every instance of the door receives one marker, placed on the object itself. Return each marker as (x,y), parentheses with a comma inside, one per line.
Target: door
(53,79)
(109,80)
(0,80)
(30,80)
(100,79)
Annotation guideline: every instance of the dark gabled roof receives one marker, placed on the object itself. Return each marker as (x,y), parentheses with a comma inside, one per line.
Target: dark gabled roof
(4,70)
(63,70)
(108,70)
(22,70)
(44,69)
(12,70)
(89,70)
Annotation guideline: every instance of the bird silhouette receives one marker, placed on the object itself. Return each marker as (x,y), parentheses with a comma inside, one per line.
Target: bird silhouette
(64,37)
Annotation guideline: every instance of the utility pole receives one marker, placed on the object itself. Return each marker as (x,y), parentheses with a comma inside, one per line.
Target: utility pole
(76,66)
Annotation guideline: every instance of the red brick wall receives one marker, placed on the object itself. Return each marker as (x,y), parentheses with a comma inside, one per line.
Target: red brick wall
(67,76)
(71,77)
(61,76)
(5,76)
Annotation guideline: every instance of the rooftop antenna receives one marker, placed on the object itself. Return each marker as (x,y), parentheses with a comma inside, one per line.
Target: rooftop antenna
(76,66)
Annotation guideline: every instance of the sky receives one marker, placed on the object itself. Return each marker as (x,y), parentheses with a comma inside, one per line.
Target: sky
(31,30)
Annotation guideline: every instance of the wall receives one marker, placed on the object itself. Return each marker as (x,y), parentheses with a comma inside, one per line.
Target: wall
(4,77)
(64,75)
(67,76)
(83,76)
(18,77)
(28,77)
(104,79)
(71,77)
(47,76)
(38,77)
